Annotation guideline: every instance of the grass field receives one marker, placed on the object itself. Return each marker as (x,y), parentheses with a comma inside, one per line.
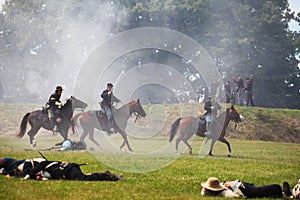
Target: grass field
(259,156)
(256,162)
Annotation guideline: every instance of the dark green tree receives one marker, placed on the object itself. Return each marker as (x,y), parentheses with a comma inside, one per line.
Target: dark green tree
(242,36)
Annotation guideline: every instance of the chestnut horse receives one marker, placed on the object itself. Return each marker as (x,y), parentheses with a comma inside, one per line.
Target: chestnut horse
(190,125)
(39,119)
(92,119)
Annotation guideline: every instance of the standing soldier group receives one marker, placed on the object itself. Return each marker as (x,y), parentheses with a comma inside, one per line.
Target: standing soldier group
(237,94)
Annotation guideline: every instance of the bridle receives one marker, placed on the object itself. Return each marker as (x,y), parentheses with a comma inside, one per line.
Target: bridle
(79,109)
(136,114)
(236,121)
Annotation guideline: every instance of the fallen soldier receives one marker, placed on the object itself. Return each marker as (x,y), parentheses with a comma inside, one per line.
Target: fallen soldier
(238,189)
(42,169)
(69,171)
(9,165)
(25,168)
(66,145)
(70,145)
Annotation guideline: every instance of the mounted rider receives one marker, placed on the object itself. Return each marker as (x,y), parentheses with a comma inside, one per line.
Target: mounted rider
(54,104)
(211,107)
(106,105)
(208,107)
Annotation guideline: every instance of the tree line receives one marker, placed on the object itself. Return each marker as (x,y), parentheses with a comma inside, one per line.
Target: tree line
(242,37)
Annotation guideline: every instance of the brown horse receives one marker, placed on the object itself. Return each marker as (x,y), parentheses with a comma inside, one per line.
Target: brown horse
(189,125)
(92,119)
(39,119)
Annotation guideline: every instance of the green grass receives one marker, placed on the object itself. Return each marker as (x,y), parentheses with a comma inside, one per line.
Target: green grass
(256,162)
(260,155)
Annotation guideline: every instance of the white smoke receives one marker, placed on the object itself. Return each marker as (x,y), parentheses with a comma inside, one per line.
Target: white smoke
(74,42)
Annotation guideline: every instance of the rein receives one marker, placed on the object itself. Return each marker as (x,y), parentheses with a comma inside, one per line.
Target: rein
(75,109)
(79,109)
(235,125)
(136,116)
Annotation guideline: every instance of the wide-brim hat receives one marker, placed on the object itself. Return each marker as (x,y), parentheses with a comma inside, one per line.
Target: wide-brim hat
(213,184)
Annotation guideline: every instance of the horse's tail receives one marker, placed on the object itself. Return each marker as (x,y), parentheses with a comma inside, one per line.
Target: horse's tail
(174,128)
(73,122)
(23,126)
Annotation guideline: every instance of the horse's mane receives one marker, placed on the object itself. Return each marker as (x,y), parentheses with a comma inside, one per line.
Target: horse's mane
(68,101)
(132,102)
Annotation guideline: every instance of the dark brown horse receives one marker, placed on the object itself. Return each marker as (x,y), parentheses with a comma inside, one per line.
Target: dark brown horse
(188,126)
(39,119)
(92,119)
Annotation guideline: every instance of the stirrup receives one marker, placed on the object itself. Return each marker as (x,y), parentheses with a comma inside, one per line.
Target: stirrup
(55,129)
(108,129)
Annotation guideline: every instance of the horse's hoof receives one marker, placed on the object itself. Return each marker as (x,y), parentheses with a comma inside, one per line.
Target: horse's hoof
(92,149)
(229,155)
(191,153)
(210,154)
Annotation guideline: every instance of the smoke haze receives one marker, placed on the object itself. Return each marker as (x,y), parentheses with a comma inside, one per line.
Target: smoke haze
(72,44)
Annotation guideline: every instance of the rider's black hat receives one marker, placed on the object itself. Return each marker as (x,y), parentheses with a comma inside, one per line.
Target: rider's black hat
(58,88)
(110,84)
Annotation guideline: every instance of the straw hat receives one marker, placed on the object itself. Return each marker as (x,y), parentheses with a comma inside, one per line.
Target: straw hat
(213,184)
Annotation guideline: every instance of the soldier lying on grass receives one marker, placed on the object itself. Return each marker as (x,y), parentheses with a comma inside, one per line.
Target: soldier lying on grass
(42,169)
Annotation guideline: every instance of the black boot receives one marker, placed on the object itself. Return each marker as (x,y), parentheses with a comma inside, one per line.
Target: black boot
(112,125)
(54,125)
(108,127)
(286,189)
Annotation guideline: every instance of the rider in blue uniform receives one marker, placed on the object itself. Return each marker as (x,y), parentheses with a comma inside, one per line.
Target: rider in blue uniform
(208,108)
(106,105)
(55,104)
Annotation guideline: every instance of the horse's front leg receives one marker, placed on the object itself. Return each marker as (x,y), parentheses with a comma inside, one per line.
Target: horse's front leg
(213,142)
(31,133)
(228,145)
(125,140)
(177,144)
(83,135)
(63,133)
(185,140)
(122,145)
(91,137)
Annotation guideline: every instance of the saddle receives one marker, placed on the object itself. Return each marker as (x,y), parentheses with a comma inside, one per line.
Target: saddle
(42,115)
(104,122)
(100,114)
(202,123)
